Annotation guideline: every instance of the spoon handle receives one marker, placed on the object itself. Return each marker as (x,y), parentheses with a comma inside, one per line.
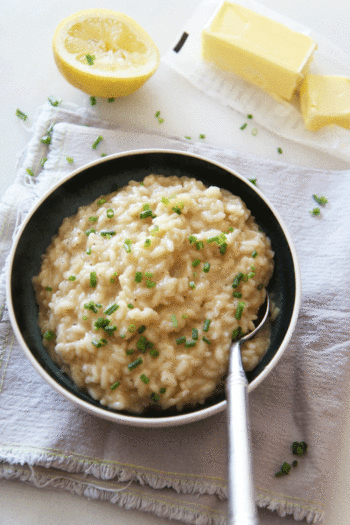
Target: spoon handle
(241,507)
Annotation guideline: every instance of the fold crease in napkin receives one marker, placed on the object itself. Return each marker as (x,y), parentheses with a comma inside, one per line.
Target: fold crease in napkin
(180,473)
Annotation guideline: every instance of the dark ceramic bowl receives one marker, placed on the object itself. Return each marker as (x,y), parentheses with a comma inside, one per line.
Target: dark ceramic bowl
(102,177)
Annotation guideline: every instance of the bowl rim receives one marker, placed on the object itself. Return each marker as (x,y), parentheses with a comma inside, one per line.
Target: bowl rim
(134,420)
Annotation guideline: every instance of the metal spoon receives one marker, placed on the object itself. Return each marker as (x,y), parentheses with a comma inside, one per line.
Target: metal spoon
(242,509)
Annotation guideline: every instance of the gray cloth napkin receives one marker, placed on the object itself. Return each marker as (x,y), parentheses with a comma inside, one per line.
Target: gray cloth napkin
(180,472)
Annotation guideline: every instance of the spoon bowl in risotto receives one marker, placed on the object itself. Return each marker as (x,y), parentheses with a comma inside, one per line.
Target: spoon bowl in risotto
(130,278)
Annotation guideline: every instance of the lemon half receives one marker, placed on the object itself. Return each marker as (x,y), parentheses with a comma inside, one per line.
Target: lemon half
(104,53)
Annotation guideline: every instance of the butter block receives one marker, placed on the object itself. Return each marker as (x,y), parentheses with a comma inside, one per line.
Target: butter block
(263,52)
(324,100)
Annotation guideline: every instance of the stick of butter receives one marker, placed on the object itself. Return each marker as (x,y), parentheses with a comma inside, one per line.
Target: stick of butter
(324,100)
(258,49)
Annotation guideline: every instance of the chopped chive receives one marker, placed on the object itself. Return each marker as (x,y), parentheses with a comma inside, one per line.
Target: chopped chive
(181,340)
(97,141)
(138,277)
(141,329)
(196,262)
(253,181)
(213,239)
(115,385)
(239,311)
(279,150)
(165,200)
(150,284)
(199,245)
(134,364)
(145,214)
(107,233)
(320,200)
(157,114)
(93,101)
(178,208)
(54,102)
(71,278)
(43,160)
(46,139)
(154,397)
(237,280)
(103,154)
(160,120)
(110,213)
(202,136)
(49,335)
(90,230)
(223,248)
(143,344)
(162,390)
(147,243)
(101,201)
(184,316)
(111,99)
(146,206)
(149,274)
(132,328)
(206,267)
(101,342)
(111,308)
(206,340)
(30,172)
(237,295)
(192,285)
(110,329)
(92,306)
(130,306)
(21,115)
(153,352)
(254,254)
(101,322)
(173,320)
(93,279)
(88,251)
(260,286)
(244,126)
(194,334)
(84,317)
(315,211)
(144,379)
(90,59)
(187,137)
(48,289)
(190,344)
(237,332)
(250,116)
(93,219)
(206,325)
(130,351)
(192,239)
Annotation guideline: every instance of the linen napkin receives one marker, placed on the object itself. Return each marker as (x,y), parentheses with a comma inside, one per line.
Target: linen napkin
(180,473)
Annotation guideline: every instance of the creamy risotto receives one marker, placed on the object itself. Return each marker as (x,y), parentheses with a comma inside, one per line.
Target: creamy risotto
(141,292)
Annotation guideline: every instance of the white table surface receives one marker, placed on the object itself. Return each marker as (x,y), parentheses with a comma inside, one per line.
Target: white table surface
(29,75)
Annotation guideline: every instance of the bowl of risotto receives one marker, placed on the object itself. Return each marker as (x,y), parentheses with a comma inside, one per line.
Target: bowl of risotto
(130,278)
